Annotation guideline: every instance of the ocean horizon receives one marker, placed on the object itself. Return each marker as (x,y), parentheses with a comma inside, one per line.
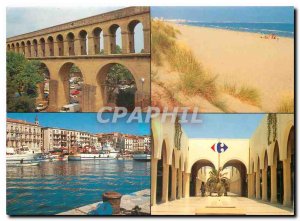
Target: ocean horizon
(279,29)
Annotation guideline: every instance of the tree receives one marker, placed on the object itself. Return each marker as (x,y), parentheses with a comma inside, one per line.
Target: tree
(217,182)
(22,77)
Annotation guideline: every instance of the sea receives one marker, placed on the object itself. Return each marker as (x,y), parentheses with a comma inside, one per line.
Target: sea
(280,29)
(55,187)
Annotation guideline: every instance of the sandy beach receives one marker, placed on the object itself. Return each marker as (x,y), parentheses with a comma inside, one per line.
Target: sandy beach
(245,59)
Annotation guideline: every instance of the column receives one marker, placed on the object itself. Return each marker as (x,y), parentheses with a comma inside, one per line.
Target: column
(88,98)
(264,184)
(146,40)
(165,183)
(33,53)
(47,50)
(186,185)
(197,187)
(106,44)
(274,183)
(66,48)
(26,52)
(179,184)
(249,185)
(77,46)
(153,180)
(174,183)
(56,48)
(257,180)
(125,42)
(53,95)
(40,51)
(91,44)
(287,183)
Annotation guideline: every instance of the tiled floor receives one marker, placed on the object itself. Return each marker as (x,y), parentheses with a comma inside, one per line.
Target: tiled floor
(219,206)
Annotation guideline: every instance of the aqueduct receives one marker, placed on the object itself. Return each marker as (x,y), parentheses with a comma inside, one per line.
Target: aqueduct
(90,44)
(261,167)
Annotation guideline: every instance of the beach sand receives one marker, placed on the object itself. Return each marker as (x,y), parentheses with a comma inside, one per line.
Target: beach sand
(245,59)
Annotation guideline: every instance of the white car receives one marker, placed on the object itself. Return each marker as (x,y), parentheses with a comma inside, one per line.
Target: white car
(41,107)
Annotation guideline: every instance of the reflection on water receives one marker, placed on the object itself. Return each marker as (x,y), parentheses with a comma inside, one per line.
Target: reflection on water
(55,187)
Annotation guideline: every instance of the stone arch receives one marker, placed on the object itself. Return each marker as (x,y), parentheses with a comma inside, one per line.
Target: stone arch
(50,42)
(43,47)
(13,47)
(18,47)
(8,47)
(23,47)
(65,91)
(71,40)
(60,45)
(28,45)
(83,40)
(35,47)
(194,182)
(111,89)
(98,40)
(133,27)
(279,173)
(242,186)
(114,33)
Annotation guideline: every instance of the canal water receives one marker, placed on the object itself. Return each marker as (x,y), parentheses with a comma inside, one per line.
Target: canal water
(55,187)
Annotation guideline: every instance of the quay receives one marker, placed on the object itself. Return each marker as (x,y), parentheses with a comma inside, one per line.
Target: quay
(128,202)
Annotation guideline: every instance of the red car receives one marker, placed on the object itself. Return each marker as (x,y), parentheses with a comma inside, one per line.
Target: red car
(75,92)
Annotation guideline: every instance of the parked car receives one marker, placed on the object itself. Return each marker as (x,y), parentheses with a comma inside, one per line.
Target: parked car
(75,92)
(40,107)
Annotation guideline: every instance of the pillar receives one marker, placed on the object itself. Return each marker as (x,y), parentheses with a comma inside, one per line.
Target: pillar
(125,42)
(47,49)
(174,183)
(257,184)
(106,43)
(91,44)
(153,180)
(33,53)
(179,184)
(274,183)
(88,98)
(53,95)
(146,40)
(287,183)
(186,185)
(197,187)
(66,48)
(165,183)
(26,52)
(264,184)
(56,48)
(40,50)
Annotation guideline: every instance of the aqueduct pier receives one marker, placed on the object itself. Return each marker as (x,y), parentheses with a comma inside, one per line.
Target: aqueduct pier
(79,43)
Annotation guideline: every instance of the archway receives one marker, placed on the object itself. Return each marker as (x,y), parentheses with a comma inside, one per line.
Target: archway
(98,41)
(160,172)
(8,47)
(241,187)
(195,181)
(115,39)
(72,83)
(279,171)
(117,86)
(42,101)
(23,47)
(136,37)
(13,47)
(50,43)
(17,47)
(43,46)
(70,39)
(60,45)
(291,157)
(35,48)
(28,44)
(268,176)
(83,39)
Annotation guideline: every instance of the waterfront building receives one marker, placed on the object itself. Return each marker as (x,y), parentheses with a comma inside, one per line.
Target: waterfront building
(20,133)
(262,166)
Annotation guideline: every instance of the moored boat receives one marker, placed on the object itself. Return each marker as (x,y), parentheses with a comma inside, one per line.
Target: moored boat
(142,157)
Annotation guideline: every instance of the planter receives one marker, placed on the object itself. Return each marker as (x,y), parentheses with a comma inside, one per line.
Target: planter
(114,199)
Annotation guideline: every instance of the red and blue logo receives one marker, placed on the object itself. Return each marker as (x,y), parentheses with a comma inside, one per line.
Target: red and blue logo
(219,147)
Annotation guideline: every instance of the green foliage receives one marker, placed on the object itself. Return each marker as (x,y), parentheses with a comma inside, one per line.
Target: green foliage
(74,69)
(272,128)
(118,50)
(217,182)
(22,77)
(118,73)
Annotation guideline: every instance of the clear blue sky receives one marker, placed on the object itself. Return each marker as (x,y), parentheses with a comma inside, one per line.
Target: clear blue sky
(226,14)
(223,126)
(85,122)
(26,19)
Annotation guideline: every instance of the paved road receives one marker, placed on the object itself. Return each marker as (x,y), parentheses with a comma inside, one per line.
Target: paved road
(219,206)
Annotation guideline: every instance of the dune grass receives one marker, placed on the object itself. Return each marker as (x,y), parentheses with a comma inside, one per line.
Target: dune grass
(245,93)
(286,104)
(194,80)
